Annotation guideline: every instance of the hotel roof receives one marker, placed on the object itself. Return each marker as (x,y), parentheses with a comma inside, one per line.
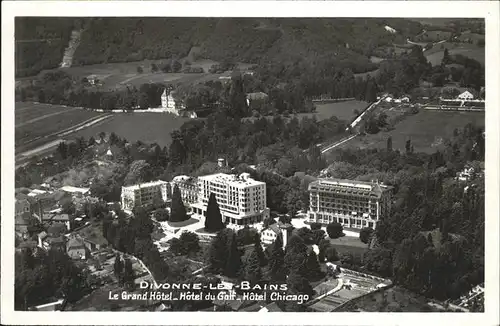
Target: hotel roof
(146,185)
(362,187)
(232,179)
(75,189)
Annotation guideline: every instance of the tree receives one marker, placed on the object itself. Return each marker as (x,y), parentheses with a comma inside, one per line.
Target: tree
(446,57)
(260,252)
(306,234)
(331,254)
(233,263)
(118,266)
(253,273)
(296,255)
(166,68)
(315,226)
(293,202)
(178,210)
(389,143)
(408,146)
(298,284)
(335,230)
(217,254)
(213,221)
(277,261)
(139,172)
(313,269)
(176,66)
(161,215)
(139,70)
(317,236)
(365,234)
(154,68)
(187,243)
(128,274)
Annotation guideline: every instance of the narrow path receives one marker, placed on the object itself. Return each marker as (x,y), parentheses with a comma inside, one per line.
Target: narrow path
(329,148)
(332,291)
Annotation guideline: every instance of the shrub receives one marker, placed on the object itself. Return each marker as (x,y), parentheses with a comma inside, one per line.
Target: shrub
(335,230)
(315,226)
(365,234)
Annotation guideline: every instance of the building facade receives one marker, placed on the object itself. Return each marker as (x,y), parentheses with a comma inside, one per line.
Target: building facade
(188,187)
(148,195)
(354,204)
(242,200)
(272,232)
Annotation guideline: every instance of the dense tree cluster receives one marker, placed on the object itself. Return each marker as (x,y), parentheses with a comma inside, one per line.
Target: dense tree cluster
(435,218)
(47,275)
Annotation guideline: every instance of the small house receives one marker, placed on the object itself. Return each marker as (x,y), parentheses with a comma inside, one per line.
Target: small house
(465,96)
(76,249)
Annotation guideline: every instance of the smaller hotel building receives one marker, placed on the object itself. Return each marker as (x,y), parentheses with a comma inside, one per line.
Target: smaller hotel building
(354,204)
(242,200)
(188,187)
(147,195)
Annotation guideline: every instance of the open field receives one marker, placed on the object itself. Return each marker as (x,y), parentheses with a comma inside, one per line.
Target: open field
(146,127)
(24,111)
(118,75)
(27,131)
(435,55)
(365,75)
(342,110)
(426,130)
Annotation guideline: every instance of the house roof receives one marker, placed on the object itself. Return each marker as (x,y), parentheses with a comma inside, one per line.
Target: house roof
(42,235)
(59,218)
(257,96)
(75,243)
(55,240)
(56,229)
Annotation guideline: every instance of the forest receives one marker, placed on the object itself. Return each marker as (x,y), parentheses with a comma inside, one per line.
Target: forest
(251,40)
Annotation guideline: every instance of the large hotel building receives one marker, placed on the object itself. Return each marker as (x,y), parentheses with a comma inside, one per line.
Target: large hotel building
(241,199)
(354,204)
(147,195)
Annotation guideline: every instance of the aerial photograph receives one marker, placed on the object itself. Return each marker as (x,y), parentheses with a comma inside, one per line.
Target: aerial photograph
(249,164)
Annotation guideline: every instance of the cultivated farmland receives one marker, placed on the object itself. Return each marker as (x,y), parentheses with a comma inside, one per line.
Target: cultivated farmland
(426,130)
(50,119)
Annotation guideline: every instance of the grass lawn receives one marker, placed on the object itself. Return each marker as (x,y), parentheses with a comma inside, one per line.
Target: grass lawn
(146,127)
(202,230)
(183,223)
(426,130)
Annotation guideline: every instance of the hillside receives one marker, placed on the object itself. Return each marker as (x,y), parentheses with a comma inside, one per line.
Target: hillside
(108,40)
(40,43)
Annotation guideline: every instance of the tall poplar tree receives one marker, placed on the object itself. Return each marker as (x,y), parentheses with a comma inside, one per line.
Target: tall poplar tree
(233,263)
(253,273)
(213,221)
(277,261)
(178,211)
